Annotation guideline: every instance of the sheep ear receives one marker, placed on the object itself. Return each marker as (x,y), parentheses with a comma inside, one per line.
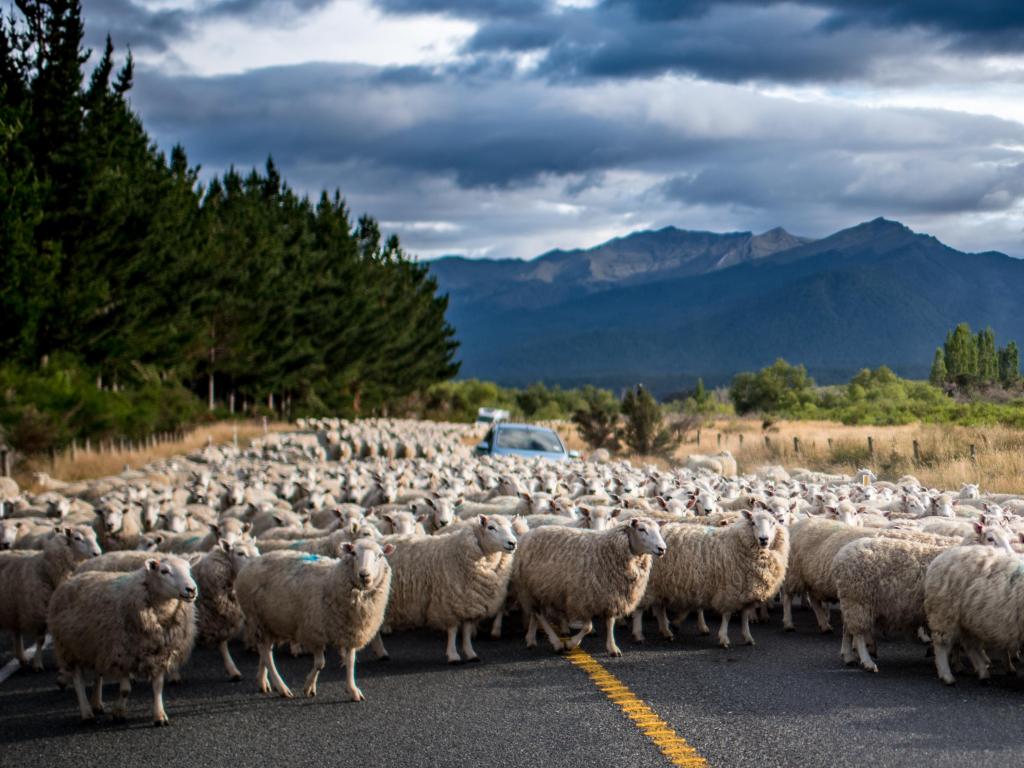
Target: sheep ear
(422,517)
(278,519)
(692,502)
(152,564)
(748,514)
(661,502)
(388,549)
(634,523)
(483,520)
(978,527)
(348,548)
(430,502)
(224,544)
(158,538)
(247,527)
(615,512)
(215,528)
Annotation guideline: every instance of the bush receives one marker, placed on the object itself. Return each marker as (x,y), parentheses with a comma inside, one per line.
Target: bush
(780,387)
(597,420)
(644,431)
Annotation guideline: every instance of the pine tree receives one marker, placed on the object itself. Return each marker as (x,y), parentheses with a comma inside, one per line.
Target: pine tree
(700,394)
(962,356)
(988,362)
(939,374)
(645,432)
(597,420)
(1009,365)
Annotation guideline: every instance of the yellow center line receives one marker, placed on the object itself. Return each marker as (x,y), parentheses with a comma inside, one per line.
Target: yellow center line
(673,746)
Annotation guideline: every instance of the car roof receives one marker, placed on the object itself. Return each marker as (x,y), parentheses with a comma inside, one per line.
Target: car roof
(526,427)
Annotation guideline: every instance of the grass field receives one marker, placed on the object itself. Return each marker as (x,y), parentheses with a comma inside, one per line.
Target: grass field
(93,463)
(944,451)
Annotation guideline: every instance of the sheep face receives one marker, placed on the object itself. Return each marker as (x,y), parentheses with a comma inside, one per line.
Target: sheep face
(82,541)
(599,518)
(59,508)
(706,503)
(365,562)
(113,519)
(763,527)
(400,523)
(176,521)
(9,533)
(170,578)
(645,537)
(994,536)
(150,514)
(914,507)
(441,513)
(969,491)
(150,542)
(494,534)
(942,506)
(240,553)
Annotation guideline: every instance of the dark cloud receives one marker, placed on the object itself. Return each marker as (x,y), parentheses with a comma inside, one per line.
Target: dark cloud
(470,9)
(130,24)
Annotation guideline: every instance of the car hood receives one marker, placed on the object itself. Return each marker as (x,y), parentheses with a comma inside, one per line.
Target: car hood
(553,455)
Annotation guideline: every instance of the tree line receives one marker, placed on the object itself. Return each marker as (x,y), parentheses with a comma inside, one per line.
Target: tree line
(967,361)
(122,267)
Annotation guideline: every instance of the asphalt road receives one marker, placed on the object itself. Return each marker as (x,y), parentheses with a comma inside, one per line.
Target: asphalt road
(787,702)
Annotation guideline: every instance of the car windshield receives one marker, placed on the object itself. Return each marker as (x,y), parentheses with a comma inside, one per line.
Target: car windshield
(529,440)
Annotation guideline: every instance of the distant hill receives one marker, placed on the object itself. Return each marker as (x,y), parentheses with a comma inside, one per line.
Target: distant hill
(665,307)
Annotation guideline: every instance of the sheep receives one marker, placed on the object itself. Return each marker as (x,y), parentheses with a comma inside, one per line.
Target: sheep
(140,624)
(9,531)
(721,463)
(29,579)
(288,596)
(727,569)
(880,583)
(577,574)
(434,513)
(450,582)
(219,614)
(118,528)
(974,596)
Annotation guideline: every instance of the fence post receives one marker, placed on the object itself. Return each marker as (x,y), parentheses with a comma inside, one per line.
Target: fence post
(974,453)
(741,439)
(767,442)
(917,452)
(796,445)
(830,443)
(265,430)
(5,465)
(719,436)
(871,446)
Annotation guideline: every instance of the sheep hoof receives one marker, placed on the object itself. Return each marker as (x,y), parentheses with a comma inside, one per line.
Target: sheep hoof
(950,681)
(750,642)
(826,630)
(473,660)
(615,654)
(286,693)
(161,723)
(704,632)
(789,629)
(871,667)
(724,645)
(236,678)
(454,662)
(356,695)
(638,640)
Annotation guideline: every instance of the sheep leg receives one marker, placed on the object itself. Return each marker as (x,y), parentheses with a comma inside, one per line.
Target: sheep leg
(262,679)
(37,660)
(531,632)
(314,674)
(496,625)
(846,651)
(467,641)
(664,627)
(124,689)
(1011,668)
(229,663)
(723,630)
(83,700)
(450,650)
(638,626)
(556,642)
(787,612)
(96,702)
(267,659)
(349,658)
(862,652)
(923,636)
(942,649)
(978,660)
(379,651)
(19,650)
(575,640)
(820,614)
(702,626)
(609,642)
(745,625)
(159,715)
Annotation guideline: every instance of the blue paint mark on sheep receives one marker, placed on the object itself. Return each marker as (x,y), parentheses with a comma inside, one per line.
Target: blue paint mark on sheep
(191,540)
(298,544)
(310,558)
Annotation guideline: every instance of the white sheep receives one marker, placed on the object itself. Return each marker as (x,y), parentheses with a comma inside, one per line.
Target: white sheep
(729,570)
(317,602)
(974,596)
(574,575)
(450,582)
(29,579)
(140,624)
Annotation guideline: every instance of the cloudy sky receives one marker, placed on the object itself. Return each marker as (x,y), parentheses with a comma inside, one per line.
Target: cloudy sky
(509,127)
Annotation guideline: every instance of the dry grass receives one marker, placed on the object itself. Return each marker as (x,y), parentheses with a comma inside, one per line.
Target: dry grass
(87,465)
(945,455)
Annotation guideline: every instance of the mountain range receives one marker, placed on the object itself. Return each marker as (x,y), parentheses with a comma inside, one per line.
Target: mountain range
(664,307)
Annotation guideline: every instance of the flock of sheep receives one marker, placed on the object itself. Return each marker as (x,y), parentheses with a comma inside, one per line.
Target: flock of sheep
(341,533)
